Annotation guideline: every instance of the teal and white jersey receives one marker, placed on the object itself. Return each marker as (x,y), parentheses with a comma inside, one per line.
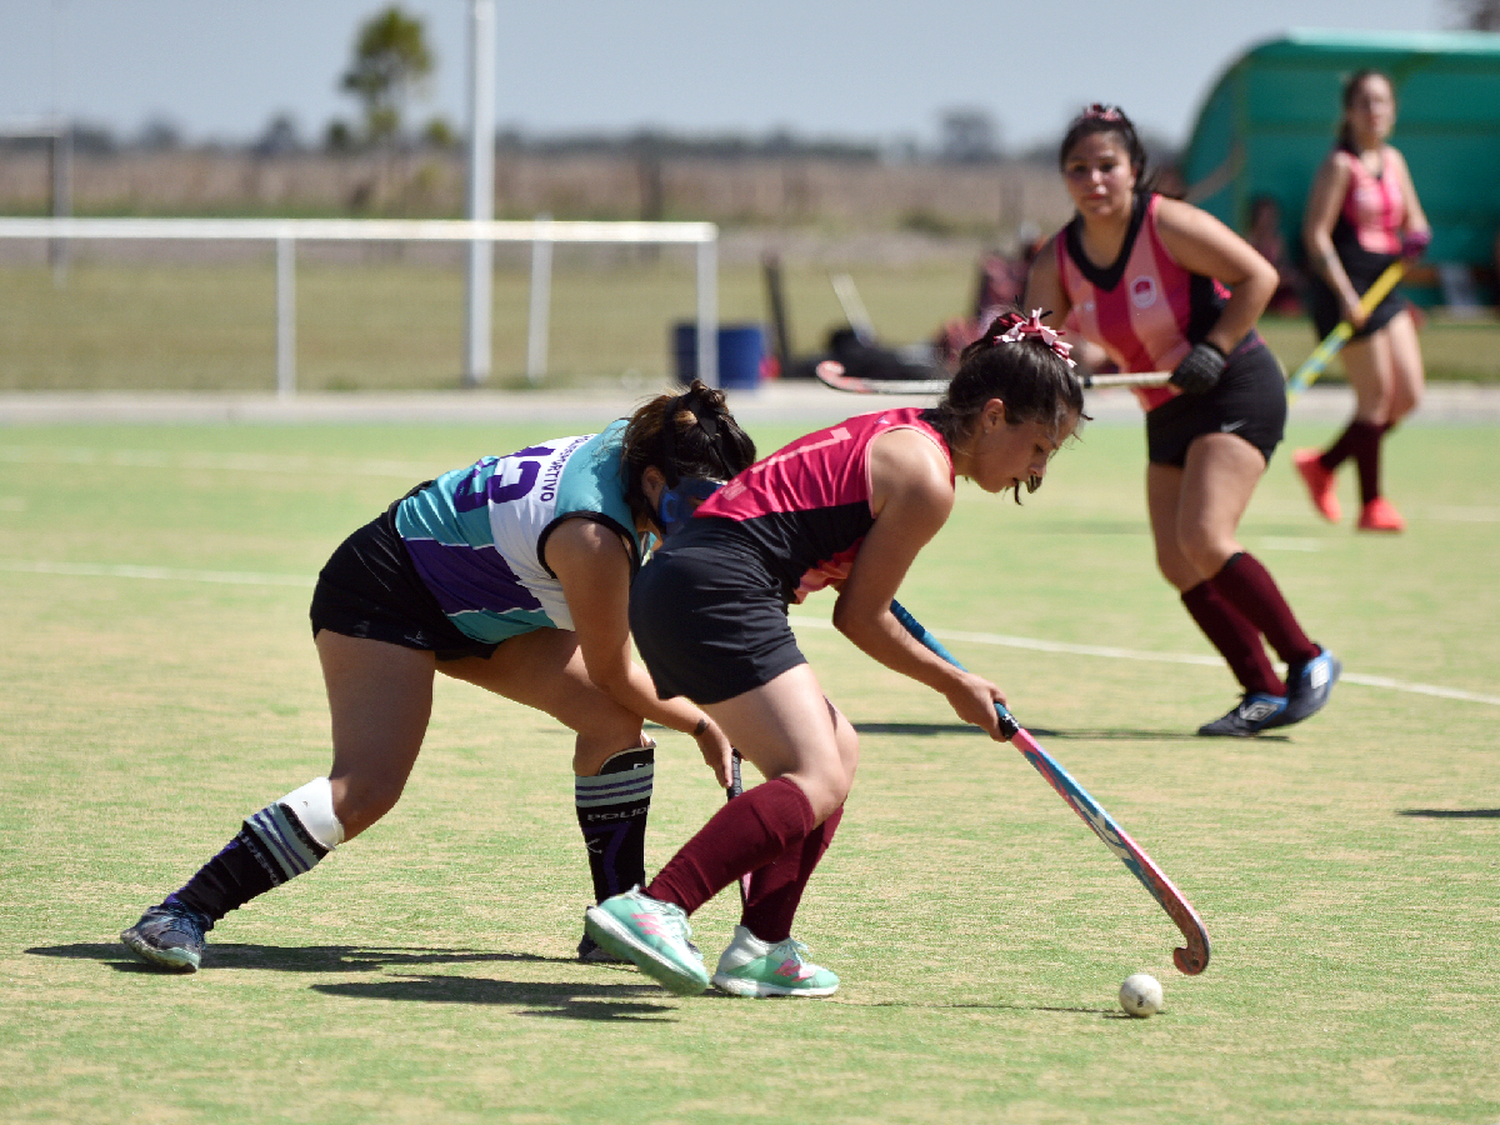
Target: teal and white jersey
(476,534)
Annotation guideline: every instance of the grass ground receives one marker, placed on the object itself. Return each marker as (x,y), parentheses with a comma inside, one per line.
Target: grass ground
(160,685)
(390,323)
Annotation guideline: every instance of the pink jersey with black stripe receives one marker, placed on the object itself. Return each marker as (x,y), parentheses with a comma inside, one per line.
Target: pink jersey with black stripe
(1143,309)
(1374,208)
(807,506)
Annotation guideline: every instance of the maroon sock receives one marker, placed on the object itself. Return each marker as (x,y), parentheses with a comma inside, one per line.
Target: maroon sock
(776,889)
(1237,640)
(1341,449)
(1366,439)
(748,832)
(1249,587)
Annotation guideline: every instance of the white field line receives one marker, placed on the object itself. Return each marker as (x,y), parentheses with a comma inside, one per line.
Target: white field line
(296,465)
(156,573)
(212,462)
(1031,644)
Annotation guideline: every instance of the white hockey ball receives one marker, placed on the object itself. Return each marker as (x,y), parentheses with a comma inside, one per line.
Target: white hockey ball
(1140,995)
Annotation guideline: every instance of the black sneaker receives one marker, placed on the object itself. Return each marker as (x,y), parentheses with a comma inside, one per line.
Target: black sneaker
(1255,712)
(1308,687)
(169,936)
(591,951)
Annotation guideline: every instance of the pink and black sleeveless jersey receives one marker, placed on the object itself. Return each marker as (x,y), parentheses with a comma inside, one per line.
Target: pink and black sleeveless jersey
(1145,309)
(806,508)
(1374,211)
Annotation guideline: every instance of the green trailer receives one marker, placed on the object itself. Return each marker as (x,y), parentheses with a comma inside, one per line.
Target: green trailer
(1274,112)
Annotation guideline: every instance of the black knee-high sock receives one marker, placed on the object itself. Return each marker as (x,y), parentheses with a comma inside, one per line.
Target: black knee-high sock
(272,847)
(612,811)
(1368,436)
(1341,449)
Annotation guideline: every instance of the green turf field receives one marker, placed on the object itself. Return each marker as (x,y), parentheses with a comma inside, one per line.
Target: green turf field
(160,684)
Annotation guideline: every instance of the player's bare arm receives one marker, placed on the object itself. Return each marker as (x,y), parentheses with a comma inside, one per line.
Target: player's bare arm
(1329,188)
(1044,288)
(912,496)
(1204,245)
(593,564)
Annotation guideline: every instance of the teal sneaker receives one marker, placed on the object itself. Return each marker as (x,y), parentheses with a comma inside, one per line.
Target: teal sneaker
(751,967)
(653,934)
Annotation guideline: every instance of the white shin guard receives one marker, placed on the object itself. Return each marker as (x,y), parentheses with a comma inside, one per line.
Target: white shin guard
(313,806)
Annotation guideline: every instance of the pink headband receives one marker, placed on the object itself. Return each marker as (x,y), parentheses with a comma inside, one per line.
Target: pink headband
(1022,327)
(1103,112)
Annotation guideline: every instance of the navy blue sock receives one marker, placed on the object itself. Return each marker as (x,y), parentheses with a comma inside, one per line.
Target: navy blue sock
(612,810)
(271,848)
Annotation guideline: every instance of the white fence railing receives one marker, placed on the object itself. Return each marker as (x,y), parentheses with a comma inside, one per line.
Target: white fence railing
(284,234)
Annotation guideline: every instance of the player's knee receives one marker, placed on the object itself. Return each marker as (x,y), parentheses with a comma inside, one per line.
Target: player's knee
(827,788)
(360,801)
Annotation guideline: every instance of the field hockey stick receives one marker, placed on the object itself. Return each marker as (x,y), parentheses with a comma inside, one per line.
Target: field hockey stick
(831,373)
(1137,379)
(736,787)
(1190,960)
(1314,364)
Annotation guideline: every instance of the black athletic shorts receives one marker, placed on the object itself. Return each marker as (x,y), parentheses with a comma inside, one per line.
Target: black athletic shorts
(369,588)
(1363,268)
(1249,401)
(708,618)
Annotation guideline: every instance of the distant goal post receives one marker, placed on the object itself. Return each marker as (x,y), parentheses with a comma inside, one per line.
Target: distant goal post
(285,234)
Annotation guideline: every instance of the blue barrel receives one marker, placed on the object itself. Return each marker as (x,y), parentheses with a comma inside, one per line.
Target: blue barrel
(742,353)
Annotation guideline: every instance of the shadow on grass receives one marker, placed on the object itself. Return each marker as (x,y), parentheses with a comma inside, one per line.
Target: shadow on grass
(1042,734)
(293,959)
(553,1000)
(1102,1013)
(1453,814)
(632,998)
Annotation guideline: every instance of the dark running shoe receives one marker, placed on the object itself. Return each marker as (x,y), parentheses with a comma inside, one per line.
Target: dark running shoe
(1255,712)
(1308,687)
(592,952)
(169,936)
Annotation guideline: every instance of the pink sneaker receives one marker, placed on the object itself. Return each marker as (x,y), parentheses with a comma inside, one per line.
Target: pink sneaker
(1319,483)
(1380,515)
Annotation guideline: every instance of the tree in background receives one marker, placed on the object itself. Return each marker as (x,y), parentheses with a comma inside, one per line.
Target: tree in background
(391,62)
(1477,15)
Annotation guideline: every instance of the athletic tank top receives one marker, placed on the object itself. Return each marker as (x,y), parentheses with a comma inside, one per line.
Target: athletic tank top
(1374,211)
(476,535)
(806,508)
(1145,310)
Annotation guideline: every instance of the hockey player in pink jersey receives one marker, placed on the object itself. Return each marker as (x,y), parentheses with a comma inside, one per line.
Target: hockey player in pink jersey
(1160,285)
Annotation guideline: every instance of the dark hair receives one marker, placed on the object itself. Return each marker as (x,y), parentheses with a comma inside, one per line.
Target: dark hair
(1035,383)
(685,435)
(1099,118)
(1346,98)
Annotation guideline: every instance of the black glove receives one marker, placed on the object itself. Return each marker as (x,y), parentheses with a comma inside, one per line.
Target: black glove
(1199,371)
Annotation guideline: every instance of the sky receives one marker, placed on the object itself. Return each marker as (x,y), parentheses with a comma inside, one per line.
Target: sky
(873,70)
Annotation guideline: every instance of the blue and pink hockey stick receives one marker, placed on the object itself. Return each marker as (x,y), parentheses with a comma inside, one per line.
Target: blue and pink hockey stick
(1192,959)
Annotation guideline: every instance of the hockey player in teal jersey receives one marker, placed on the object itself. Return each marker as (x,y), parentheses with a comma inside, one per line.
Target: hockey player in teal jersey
(512,574)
